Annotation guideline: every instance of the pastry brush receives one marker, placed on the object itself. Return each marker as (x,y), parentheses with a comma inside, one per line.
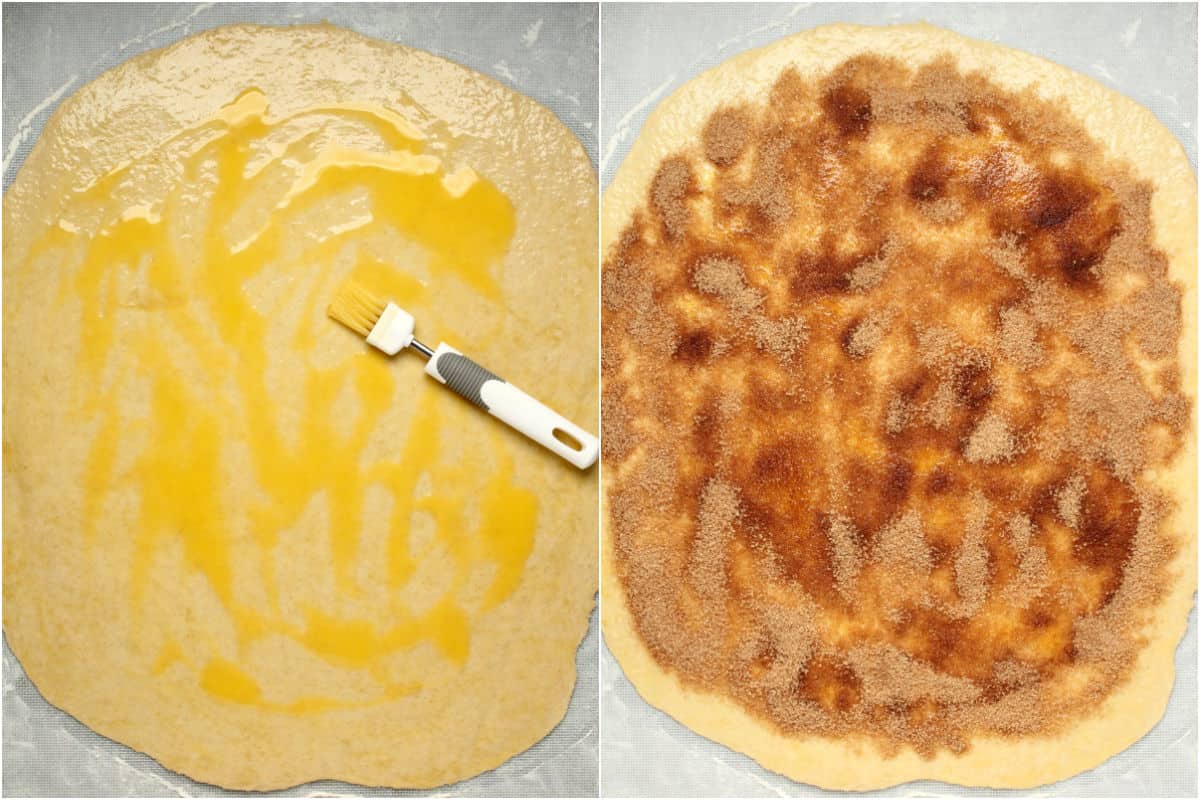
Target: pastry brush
(390,328)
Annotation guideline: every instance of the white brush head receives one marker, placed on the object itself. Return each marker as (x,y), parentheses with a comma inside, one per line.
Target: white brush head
(394,330)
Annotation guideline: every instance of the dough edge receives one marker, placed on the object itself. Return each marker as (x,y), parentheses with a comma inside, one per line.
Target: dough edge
(1126,130)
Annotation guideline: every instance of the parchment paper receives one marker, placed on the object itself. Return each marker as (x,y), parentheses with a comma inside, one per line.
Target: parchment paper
(1145,51)
(548,52)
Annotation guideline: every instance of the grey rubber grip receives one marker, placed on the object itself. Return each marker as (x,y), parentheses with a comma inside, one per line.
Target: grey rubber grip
(464,376)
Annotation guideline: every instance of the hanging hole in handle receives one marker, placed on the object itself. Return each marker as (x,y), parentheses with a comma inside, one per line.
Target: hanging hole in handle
(567,439)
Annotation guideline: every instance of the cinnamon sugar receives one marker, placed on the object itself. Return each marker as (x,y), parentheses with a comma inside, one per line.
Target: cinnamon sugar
(868,333)
(792,639)
(1033,565)
(1097,641)
(899,414)
(647,325)
(944,210)
(846,554)
(991,442)
(669,195)
(1020,532)
(1012,672)
(719,512)
(618,436)
(627,291)
(901,548)
(1068,500)
(870,273)
(768,192)
(1108,413)
(890,676)
(1058,381)
(1007,254)
(940,407)
(937,100)
(1033,576)
(1157,309)
(726,135)
(779,337)
(971,571)
(1018,338)
(723,278)
(937,345)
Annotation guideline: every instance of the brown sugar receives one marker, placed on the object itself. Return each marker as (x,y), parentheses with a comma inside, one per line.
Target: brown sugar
(846,554)
(971,563)
(866,335)
(779,337)
(669,195)
(1033,564)
(944,210)
(1157,307)
(1018,338)
(991,441)
(889,676)
(899,414)
(1020,532)
(1012,672)
(767,194)
(719,512)
(870,273)
(723,278)
(1007,254)
(878,418)
(1068,500)
(1033,576)
(901,548)
(726,135)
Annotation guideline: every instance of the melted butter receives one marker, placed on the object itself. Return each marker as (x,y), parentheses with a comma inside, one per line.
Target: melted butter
(509,516)
(358,643)
(226,680)
(182,477)
(168,656)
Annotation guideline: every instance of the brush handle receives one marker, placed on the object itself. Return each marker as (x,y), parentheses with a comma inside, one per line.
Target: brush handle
(503,400)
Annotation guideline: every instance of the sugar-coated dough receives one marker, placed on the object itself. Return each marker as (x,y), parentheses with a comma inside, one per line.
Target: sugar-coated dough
(1126,131)
(246,634)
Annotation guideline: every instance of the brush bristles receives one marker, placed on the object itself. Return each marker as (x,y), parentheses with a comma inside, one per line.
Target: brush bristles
(356,308)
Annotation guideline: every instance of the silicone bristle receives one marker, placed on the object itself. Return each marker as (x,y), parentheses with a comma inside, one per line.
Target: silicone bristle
(356,308)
